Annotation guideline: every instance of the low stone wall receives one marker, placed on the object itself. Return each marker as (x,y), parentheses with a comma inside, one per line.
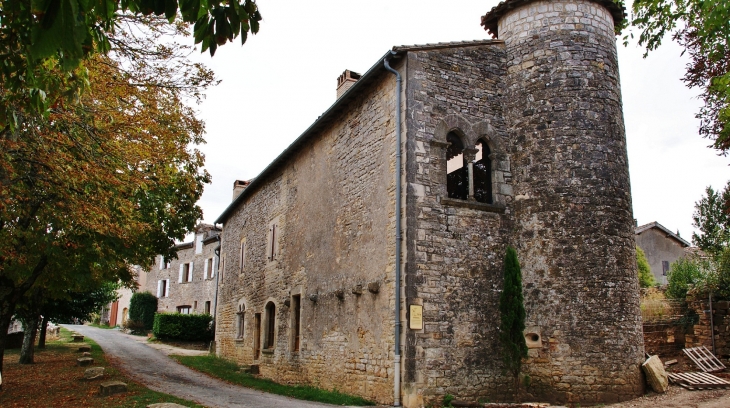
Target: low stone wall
(702,330)
(663,338)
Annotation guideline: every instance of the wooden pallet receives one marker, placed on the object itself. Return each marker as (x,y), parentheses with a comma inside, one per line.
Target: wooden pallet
(698,381)
(705,360)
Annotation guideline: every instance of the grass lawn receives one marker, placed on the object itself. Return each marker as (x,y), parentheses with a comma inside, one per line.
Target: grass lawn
(229,371)
(56,381)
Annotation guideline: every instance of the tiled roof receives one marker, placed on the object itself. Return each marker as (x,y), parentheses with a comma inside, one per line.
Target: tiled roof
(490,20)
(641,228)
(440,45)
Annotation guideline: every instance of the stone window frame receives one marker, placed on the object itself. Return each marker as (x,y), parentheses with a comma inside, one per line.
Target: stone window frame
(242,255)
(471,134)
(269,332)
(240,333)
(273,240)
(294,345)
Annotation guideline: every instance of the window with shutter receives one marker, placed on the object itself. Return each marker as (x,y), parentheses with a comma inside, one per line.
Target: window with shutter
(190,272)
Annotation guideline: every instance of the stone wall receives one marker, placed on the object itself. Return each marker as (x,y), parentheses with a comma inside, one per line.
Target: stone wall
(702,330)
(572,206)
(333,207)
(455,247)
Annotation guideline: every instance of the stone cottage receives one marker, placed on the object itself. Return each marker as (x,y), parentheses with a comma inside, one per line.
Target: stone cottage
(661,246)
(187,284)
(368,256)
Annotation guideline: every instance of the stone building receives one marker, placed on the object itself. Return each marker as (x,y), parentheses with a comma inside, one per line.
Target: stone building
(516,141)
(187,284)
(661,246)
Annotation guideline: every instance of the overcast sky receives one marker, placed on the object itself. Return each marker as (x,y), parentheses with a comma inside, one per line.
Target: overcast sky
(282,79)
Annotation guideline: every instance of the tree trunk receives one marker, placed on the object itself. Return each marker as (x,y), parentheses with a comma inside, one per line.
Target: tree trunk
(31,329)
(42,336)
(6,316)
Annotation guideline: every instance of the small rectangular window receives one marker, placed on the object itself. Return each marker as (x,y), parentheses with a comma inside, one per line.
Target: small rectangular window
(195,305)
(209,268)
(665,267)
(240,322)
(184,309)
(207,307)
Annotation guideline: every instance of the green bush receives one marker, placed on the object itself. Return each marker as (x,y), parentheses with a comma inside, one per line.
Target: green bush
(142,308)
(683,273)
(178,326)
(646,278)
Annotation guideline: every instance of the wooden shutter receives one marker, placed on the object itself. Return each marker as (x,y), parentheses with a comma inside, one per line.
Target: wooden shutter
(167,288)
(190,273)
(162,263)
(159,288)
(205,269)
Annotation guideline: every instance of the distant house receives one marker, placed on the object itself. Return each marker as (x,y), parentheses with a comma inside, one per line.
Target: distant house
(187,284)
(116,313)
(661,246)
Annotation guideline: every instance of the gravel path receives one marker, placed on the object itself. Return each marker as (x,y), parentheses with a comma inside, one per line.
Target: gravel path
(158,372)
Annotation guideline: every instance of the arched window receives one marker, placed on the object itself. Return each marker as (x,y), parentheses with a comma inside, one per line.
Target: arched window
(457,173)
(483,173)
(270,325)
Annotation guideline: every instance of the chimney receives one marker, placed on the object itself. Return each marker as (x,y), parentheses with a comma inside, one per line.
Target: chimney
(238,187)
(345,81)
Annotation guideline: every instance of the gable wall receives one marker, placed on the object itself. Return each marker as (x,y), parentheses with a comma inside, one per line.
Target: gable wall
(334,202)
(659,247)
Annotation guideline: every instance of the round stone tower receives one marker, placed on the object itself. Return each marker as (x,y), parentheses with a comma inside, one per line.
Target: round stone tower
(572,209)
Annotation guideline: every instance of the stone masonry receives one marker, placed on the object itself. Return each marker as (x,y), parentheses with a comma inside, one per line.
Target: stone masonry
(313,235)
(195,292)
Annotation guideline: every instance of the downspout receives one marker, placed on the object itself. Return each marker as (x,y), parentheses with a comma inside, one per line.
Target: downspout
(396,359)
(217,252)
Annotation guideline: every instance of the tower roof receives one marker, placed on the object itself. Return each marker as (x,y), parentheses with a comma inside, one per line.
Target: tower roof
(490,20)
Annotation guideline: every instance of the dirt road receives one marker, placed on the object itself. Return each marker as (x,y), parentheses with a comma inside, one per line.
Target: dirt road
(158,372)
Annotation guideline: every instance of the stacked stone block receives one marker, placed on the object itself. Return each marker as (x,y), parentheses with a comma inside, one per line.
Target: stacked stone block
(702,331)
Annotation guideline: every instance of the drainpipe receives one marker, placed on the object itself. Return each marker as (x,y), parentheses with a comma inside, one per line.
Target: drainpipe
(396,360)
(217,252)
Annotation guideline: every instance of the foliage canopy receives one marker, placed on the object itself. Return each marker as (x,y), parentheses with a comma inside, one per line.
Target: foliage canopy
(712,220)
(701,27)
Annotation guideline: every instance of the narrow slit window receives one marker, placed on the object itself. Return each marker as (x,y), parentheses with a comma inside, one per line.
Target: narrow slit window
(242,255)
(297,310)
(457,173)
(270,325)
(483,174)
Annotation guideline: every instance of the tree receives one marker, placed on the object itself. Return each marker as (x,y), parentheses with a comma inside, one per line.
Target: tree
(512,314)
(646,278)
(701,27)
(712,219)
(43,42)
(106,182)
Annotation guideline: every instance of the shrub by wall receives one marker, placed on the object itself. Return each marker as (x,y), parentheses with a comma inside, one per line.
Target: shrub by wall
(142,308)
(178,326)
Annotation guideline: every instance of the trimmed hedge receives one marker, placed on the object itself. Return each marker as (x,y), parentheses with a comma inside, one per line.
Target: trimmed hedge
(178,326)
(142,308)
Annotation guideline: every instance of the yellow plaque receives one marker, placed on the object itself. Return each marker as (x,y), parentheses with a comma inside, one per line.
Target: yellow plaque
(416,321)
